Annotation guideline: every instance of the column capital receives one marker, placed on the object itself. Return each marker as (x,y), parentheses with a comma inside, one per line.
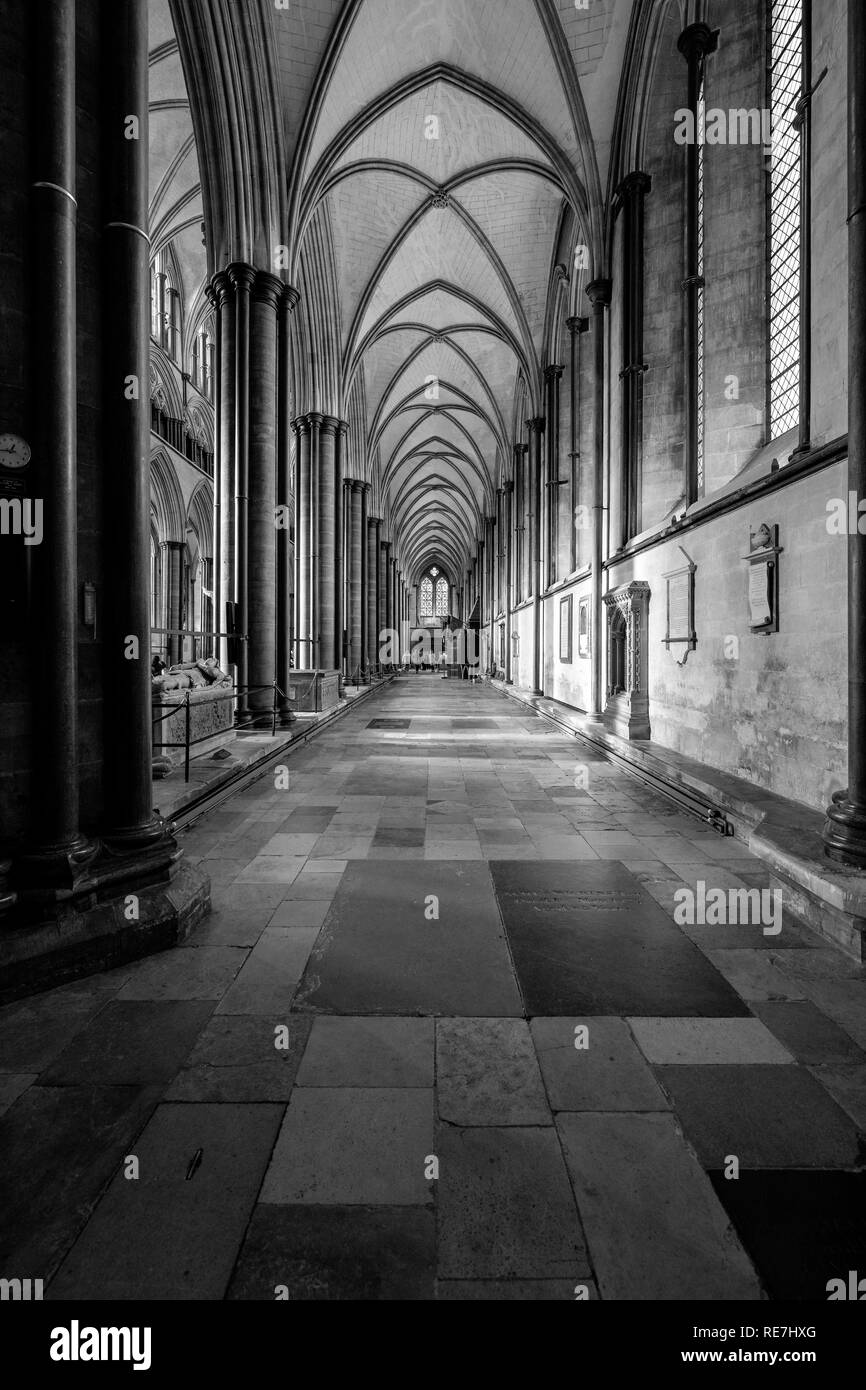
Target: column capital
(599,293)
(577,325)
(329,424)
(536,425)
(314,420)
(553,372)
(506,489)
(267,289)
(291,298)
(241,275)
(301,425)
(521,450)
(220,288)
(360,486)
(386,545)
(697,40)
(634,183)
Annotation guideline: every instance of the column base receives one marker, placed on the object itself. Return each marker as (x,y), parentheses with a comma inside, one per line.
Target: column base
(136,840)
(57,867)
(844,832)
(123,912)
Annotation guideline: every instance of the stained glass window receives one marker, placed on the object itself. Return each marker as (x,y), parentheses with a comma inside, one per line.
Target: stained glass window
(701,401)
(784,231)
(433,595)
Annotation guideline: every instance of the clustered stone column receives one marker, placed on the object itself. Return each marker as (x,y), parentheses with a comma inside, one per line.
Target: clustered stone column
(576,328)
(510,562)
(520,530)
(550,568)
(113,893)
(57,851)
(319,617)
(130,823)
(285,516)
(599,295)
(536,569)
(356,551)
(252,533)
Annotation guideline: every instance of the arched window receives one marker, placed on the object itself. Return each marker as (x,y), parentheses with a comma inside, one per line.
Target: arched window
(202,359)
(783,213)
(165,306)
(425,598)
(433,595)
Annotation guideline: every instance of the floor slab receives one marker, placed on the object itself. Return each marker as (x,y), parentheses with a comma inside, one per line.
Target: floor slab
(380,953)
(588,939)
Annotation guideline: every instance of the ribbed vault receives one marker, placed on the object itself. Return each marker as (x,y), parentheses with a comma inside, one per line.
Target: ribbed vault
(445,147)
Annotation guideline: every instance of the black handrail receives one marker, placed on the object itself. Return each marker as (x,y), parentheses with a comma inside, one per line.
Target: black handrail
(235,693)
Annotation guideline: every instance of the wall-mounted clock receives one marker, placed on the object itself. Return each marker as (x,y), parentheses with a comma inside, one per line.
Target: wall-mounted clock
(14,451)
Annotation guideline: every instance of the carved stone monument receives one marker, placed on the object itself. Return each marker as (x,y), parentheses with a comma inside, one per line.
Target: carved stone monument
(627,710)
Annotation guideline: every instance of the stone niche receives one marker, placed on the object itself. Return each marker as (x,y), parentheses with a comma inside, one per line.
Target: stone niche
(626,712)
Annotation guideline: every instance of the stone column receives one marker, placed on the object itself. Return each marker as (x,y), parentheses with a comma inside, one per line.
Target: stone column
(536,446)
(599,293)
(383,589)
(327,563)
(845,828)
(552,377)
(356,589)
(387,586)
(174,599)
(520,529)
(340,544)
(224,461)
(284,509)
(363,542)
(576,327)
(56,850)
(131,825)
(694,43)
(261,529)
(373,526)
(315,422)
(508,533)
(242,278)
(303,549)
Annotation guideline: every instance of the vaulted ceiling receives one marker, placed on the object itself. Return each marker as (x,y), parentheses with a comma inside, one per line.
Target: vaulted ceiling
(176,207)
(442,161)
(448,149)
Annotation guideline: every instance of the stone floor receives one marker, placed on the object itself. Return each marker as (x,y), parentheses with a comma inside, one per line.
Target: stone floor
(442,1038)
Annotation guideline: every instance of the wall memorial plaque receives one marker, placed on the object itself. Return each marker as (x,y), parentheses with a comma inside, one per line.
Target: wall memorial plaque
(566,611)
(763,583)
(681,638)
(584,629)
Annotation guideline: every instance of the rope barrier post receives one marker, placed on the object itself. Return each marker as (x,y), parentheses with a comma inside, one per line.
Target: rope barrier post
(186,740)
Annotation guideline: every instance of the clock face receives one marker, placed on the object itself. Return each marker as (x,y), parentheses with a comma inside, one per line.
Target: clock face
(14,452)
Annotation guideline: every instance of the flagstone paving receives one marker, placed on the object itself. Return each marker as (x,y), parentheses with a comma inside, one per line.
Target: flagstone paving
(442,1038)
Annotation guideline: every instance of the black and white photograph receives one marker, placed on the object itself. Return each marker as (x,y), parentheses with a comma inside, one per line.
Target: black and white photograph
(432,674)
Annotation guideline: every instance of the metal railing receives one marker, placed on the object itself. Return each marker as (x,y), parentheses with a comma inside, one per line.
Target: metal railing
(244,718)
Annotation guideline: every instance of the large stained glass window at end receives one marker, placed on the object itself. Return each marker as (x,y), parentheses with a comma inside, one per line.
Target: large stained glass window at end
(433,595)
